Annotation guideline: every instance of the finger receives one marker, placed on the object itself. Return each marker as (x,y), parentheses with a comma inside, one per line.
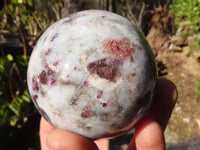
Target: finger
(149,136)
(102,144)
(149,131)
(66,140)
(165,99)
(45,129)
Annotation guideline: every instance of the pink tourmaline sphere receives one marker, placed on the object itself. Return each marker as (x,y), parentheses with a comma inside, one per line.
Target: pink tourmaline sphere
(92,73)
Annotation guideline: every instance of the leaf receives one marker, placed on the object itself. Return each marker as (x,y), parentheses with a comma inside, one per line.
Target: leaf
(30,3)
(10,57)
(2,69)
(20,1)
(4,111)
(11,10)
(22,60)
(13,121)
(14,109)
(197,87)
(26,98)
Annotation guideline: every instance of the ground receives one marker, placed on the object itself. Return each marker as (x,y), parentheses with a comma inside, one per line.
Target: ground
(185,73)
(177,59)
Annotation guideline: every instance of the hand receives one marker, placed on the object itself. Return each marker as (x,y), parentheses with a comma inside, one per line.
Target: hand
(148,132)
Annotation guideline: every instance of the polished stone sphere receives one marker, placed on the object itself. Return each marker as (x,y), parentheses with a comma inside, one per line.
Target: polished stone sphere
(92,73)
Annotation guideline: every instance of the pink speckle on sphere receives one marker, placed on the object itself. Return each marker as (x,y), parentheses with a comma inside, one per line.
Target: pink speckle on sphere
(105,68)
(35,85)
(54,37)
(99,94)
(120,48)
(86,113)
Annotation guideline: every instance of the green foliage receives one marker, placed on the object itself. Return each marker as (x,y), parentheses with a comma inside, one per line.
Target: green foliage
(197,87)
(187,17)
(13,113)
(19,17)
(186,10)
(23,14)
(15,101)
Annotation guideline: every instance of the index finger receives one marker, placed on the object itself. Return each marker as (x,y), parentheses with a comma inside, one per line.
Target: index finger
(45,129)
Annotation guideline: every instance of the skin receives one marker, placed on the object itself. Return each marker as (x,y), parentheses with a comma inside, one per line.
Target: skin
(149,132)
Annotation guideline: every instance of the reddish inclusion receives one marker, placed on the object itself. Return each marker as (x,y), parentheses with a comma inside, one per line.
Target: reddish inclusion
(104,68)
(120,48)
(43,77)
(104,104)
(86,113)
(35,85)
(35,97)
(99,94)
(47,76)
(56,64)
(86,84)
(133,74)
(54,37)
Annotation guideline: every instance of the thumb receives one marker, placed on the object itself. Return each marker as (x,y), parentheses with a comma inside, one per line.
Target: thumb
(66,140)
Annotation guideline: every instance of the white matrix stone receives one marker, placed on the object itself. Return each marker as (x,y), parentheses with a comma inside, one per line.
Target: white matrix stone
(92,73)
